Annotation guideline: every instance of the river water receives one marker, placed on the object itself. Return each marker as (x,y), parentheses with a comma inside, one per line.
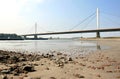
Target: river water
(71,47)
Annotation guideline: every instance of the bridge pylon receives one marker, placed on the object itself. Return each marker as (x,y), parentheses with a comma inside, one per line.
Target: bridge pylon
(35,36)
(97,14)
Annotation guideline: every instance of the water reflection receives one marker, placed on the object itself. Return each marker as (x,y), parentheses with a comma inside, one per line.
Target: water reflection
(67,46)
(98,47)
(36,45)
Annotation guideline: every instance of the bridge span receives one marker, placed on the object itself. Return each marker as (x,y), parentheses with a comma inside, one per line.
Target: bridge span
(97,31)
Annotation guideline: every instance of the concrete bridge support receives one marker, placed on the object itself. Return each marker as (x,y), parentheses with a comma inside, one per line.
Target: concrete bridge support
(25,37)
(98,34)
(35,37)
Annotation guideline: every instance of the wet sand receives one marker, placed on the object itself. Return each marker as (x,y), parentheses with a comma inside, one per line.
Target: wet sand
(100,64)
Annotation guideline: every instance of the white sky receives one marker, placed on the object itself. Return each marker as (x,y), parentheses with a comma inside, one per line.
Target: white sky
(11,20)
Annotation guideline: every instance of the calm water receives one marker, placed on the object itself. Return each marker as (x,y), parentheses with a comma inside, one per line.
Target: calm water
(71,47)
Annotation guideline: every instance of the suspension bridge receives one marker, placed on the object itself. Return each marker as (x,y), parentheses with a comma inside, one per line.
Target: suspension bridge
(97,30)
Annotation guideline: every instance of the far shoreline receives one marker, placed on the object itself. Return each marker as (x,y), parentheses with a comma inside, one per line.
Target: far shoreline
(102,38)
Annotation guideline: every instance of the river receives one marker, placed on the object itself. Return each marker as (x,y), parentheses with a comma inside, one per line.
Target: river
(71,47)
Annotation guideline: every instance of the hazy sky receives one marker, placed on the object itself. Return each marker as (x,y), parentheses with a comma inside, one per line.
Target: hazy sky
(19,16)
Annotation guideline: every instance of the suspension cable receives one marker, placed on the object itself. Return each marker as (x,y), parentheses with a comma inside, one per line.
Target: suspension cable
(89,22)
(110,14)
(82,21)
(112,20)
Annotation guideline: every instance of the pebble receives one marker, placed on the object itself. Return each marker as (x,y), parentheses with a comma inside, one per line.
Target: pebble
(109,71)
(28,68)
(52,78)
(4,76)
(5,71)
(98,75)
(70,59)
(79,76)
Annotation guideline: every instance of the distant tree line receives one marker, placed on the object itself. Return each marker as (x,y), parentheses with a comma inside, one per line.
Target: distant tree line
(10,37)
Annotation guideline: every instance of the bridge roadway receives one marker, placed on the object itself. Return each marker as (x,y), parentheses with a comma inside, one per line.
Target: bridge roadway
(80,31)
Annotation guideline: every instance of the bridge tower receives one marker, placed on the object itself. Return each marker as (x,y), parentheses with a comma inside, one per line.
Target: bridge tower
(97,14)
(35,36)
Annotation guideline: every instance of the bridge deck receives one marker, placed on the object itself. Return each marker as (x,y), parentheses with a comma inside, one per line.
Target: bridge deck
(80,31)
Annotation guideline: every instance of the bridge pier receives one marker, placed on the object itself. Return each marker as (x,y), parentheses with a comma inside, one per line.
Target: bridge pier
(35,37)
(25,37)
(98,34)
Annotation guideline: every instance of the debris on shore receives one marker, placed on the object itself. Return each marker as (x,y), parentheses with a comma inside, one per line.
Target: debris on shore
(15,62)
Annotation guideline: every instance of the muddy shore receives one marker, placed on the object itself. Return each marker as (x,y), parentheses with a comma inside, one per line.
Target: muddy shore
(101,64)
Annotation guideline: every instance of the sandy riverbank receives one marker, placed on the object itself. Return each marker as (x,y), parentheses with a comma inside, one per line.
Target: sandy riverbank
(101,64)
